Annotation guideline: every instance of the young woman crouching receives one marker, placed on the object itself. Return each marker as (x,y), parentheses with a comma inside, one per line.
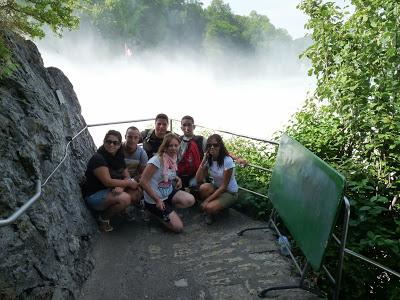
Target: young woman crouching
(161,185)
(222,192)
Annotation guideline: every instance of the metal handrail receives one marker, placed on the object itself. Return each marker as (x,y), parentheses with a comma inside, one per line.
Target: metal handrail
(252,192)
(235,134)
(65,155)
(258,167)
(24,207)
(345,230)
(244,136)
(120,122)
(366,259)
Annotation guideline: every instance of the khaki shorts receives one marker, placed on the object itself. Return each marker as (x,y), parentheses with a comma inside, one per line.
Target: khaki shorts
(227,199)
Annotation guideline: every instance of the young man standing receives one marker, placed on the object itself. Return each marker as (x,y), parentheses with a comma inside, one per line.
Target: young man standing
(153,138)
(190,153)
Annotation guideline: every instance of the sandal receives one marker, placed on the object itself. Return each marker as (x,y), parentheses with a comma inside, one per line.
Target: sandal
(105,225)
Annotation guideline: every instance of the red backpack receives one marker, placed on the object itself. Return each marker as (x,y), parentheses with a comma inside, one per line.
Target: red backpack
(191,159)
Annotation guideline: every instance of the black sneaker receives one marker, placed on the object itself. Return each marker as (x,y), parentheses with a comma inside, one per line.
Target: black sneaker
(165,217)
(104,225)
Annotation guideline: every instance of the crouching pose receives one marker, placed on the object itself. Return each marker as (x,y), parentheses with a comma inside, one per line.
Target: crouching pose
(108,187)
(222,192)
(161,185)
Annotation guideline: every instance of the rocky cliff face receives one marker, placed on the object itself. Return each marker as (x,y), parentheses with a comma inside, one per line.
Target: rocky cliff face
(46,253)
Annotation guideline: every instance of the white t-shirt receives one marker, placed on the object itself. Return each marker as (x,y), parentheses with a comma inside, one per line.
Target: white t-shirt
(217,173)
(161,188)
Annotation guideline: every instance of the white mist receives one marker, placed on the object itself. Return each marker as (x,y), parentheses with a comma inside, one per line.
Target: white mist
(129,88)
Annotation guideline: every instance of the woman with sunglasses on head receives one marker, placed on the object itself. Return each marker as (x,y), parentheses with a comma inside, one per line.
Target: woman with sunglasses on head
(223,191)
(161,185)
(108,187)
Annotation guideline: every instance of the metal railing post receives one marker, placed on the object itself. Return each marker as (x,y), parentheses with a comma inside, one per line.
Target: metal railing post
(24,207)
(342,247)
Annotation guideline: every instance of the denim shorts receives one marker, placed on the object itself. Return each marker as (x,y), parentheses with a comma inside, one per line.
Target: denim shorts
(97,200)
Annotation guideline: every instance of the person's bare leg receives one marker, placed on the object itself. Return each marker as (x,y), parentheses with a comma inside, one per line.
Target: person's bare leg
(115,204)
(206,189)
(213,207)
(175,223)
(183,199)
(135,195)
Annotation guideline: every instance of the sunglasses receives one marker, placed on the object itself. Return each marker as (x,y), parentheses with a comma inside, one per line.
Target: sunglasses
(109,142)
(215,145)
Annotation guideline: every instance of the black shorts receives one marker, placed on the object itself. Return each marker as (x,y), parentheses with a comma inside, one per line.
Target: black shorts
(185,181)
(169,206)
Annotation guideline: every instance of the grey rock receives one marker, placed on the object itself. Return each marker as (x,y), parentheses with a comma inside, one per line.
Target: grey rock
(45,254)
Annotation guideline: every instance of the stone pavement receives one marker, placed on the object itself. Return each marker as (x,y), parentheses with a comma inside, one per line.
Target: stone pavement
(140,260)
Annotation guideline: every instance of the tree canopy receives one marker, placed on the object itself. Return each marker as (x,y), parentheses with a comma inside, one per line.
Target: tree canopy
(166,25)
(154,23)
(29,17)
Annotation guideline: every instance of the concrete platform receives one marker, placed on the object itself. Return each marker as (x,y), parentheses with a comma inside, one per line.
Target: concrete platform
(141,260)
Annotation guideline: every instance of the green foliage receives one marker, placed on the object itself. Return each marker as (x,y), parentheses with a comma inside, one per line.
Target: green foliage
(215,31)
(28,18)
(6,64)
(257,180)
(148,23)
(192,27)
(261,34)
(224,29)
(352,121)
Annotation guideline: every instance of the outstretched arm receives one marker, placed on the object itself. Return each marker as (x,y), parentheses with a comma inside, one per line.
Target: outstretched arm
(202,170)
(241,161)
(145,179)
(103,174)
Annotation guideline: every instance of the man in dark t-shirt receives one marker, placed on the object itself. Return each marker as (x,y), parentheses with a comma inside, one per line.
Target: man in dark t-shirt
(152,138)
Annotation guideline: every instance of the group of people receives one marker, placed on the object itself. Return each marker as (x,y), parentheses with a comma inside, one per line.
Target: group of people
(164,172)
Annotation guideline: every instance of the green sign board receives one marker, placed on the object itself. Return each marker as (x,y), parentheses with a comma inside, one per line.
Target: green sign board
(307,194)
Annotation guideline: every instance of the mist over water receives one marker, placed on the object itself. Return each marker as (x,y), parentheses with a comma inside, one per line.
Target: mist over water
(219,96)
